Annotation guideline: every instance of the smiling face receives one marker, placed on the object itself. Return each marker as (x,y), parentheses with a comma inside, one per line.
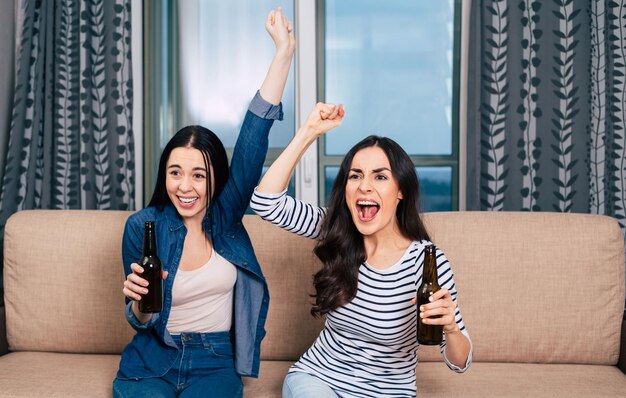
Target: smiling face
(186,183)
(372,192)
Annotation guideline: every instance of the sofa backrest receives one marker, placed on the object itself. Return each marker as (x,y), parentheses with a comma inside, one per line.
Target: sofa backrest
(288,264)
(533,287)
(536,287)
(63,281)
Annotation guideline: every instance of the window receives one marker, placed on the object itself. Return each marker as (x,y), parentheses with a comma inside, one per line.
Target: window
(205,70)
(394,64)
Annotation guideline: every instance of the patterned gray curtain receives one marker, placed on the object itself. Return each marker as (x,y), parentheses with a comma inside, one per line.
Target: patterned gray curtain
(547,106)
(71,139)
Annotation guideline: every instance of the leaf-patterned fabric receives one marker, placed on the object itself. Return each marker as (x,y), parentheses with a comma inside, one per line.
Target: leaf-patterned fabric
(547,106)
(71,139)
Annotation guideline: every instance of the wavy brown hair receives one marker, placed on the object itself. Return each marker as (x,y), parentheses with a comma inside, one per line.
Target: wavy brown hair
(341,248)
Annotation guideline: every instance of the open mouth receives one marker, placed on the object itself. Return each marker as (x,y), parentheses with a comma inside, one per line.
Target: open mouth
(187,202)
(367,210)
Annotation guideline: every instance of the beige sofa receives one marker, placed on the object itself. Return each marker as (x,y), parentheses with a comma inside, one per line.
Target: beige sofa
(542,296)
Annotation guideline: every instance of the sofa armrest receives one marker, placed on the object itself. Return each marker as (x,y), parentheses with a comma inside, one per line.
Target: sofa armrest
(4,346)
(621,363)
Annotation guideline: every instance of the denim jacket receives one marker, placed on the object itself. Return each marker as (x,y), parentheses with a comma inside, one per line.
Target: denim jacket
(152,352)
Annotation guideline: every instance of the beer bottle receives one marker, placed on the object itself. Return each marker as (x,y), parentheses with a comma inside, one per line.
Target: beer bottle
(428,334)
(152,269)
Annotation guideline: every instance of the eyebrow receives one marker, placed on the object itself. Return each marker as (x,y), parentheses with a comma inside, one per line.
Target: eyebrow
(378,170)
(178,166)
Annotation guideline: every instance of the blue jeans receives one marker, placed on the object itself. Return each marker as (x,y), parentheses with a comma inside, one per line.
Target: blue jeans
(204,365)
(303,385)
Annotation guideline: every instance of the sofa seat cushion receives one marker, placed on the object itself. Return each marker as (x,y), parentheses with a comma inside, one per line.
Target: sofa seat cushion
(42,374)
(37,374)
(484,379)
(434,379)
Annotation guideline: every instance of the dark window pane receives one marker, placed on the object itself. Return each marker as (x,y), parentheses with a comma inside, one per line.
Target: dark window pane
(330,173)
(436,188)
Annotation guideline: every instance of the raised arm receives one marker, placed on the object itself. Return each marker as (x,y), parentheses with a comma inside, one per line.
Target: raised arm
(251,147)
(270,200)
(281,31)
(323,118)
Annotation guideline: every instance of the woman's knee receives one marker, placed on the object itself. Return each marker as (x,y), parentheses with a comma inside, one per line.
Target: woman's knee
(303,385)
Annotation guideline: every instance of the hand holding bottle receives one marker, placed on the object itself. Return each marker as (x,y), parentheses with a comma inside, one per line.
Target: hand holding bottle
(436,309)
(440,311)
(135,285)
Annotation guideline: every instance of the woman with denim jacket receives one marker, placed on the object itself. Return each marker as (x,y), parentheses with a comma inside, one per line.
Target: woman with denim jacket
(215,298)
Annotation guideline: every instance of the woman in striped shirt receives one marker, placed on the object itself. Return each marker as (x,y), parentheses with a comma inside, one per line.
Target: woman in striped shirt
(371,242)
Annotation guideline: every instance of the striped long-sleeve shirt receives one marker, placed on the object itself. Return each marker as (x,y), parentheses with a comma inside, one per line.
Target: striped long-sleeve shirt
(368,347)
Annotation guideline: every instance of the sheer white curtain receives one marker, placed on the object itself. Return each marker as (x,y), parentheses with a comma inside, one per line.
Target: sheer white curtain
(224,54)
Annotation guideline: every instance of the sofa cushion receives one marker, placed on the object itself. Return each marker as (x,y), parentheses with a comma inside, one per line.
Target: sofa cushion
(481,380)
(72,302)
(288,264)
(520,380)
(63,279)
(527,292)
(536,287)
(42,374)
(533,287)
(92,375)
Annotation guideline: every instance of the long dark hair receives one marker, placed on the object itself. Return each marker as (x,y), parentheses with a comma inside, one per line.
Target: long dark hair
(341,248)
(214,154)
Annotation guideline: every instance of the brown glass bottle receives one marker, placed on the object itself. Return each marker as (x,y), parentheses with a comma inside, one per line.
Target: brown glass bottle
(428,334)
(152,269)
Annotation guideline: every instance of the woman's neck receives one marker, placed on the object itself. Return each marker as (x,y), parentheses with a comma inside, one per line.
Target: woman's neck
(384,249)
(193,227)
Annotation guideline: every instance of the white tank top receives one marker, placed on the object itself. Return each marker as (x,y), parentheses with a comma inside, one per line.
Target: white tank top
(202,299)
